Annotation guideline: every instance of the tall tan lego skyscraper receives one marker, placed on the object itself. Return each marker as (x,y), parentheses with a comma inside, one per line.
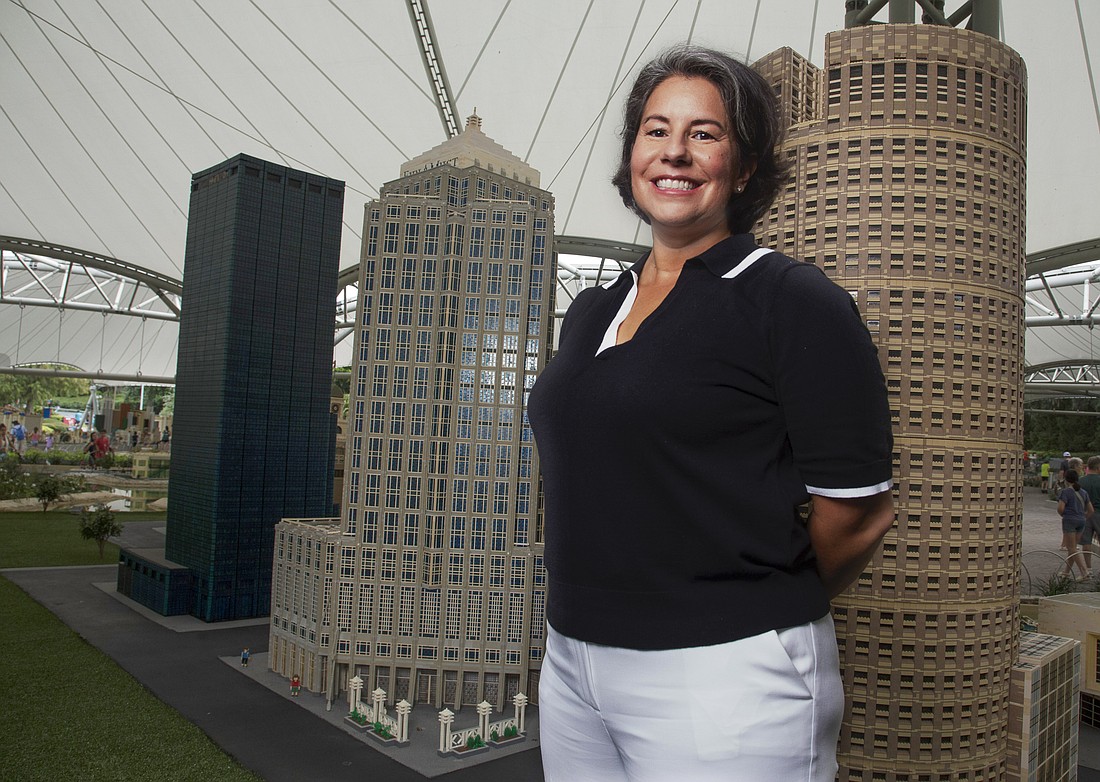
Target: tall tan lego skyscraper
(909,191)
(431,584)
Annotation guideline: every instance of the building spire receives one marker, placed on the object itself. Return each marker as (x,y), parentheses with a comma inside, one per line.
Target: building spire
(473,121)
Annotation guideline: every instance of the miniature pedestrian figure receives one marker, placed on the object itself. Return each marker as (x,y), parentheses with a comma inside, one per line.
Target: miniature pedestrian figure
(1044,476)
(295,685)
(244,657)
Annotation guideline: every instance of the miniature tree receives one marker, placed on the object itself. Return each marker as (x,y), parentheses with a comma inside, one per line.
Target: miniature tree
(48,490)
(98,525)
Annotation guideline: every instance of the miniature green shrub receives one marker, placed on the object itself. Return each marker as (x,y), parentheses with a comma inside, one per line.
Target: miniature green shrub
(1056,584)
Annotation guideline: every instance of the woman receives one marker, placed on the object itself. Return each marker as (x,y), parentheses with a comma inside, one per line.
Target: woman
(694,404)
(1073,506)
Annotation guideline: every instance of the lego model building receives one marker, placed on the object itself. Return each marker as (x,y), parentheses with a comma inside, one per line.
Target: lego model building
(1043,704)
(430,585)
(908,191)
(253,436)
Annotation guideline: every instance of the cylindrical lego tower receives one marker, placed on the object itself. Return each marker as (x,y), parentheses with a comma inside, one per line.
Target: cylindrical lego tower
(909,192)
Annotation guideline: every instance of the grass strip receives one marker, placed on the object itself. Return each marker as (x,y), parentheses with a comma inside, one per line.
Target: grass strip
(52,539)
(71,713)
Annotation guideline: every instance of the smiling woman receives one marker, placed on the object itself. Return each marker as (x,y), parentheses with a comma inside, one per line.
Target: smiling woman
(685,162)
(695,403)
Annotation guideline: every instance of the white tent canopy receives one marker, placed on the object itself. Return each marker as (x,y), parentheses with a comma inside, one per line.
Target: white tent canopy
(109,106)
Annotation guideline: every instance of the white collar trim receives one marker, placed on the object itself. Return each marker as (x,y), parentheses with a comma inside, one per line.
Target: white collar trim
(749,260)
(611,336)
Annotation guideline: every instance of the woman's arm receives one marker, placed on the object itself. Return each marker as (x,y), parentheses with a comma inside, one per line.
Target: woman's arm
(845,533)
(1061,507)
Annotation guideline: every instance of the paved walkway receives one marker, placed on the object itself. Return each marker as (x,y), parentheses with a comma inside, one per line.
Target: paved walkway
(30,504)
(194,667)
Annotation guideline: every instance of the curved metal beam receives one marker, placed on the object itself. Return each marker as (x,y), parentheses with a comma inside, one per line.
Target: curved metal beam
(598,248)
(94,260)
(1063,378)
(52,275)
(1061,257)
(55,288)
(1084,371)
(157,380)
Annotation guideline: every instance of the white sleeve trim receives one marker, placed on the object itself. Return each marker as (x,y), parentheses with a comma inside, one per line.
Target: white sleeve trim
(611,336)
(863,491)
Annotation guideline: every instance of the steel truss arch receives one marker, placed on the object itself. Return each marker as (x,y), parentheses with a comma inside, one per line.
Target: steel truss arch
(43,274)
(1078,372)
(1062,378)
(1063,297)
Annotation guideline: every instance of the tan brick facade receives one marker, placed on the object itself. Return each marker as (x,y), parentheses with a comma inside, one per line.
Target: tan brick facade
(908,191)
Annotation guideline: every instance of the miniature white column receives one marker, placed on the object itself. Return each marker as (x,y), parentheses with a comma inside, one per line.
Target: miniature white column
(484,709)
(446,718)
(379,697)
(355,693)
(520,702)
(403,708)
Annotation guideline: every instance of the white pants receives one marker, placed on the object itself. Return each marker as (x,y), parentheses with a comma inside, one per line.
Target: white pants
(762,709)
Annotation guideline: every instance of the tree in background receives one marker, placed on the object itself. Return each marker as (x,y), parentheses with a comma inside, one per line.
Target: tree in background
(30,393)
(98,524)
(1055,433)
(157,398)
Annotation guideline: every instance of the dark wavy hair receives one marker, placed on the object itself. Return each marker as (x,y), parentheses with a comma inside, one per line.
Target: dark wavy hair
(753,118)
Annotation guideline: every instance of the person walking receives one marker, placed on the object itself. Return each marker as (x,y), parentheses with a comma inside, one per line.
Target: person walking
(1090,482)
(19,435)
(1074,506)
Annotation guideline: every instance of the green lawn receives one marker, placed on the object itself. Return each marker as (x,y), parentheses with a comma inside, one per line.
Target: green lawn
(49,539)
(69,712)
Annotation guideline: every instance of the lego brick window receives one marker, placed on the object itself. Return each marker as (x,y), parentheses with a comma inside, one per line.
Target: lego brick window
(473,618)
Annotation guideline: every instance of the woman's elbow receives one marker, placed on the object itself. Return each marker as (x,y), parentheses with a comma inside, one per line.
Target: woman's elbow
(879,516)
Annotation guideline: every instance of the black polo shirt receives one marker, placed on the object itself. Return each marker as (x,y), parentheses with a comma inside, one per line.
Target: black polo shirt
(674,464)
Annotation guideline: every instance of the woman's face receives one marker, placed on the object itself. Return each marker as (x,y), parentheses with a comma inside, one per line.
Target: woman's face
(683,161)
